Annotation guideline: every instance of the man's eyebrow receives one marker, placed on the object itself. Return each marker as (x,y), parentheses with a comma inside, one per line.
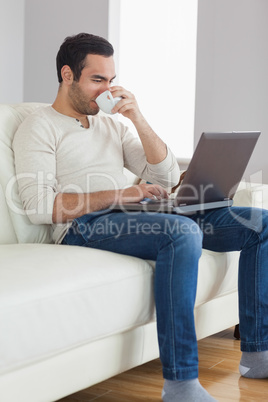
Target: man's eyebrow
(101,77)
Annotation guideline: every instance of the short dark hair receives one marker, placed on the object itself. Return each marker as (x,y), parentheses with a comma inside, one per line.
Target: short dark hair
(75,49)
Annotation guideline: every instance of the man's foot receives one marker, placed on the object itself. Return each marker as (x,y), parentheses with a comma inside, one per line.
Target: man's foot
(254,364)
(188,390)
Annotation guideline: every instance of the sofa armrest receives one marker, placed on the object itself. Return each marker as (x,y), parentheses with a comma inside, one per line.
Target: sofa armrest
(260,195)
(251,195)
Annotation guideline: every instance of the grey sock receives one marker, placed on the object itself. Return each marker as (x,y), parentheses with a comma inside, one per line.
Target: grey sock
(188,390)
(254,364)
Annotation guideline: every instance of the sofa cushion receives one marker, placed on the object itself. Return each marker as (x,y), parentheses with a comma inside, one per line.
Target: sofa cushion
(11,117)
(217,277)
(60,297)
(54,298)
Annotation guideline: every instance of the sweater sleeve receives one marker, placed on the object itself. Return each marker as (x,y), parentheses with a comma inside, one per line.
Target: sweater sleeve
(34,150)
(166,173)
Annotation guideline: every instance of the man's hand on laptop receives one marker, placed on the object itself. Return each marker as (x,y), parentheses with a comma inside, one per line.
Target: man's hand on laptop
(139,192)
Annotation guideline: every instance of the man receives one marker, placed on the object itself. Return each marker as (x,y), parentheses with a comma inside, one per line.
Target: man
(71,160)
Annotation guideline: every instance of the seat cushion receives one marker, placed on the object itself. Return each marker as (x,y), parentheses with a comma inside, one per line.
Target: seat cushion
(54,298)
(217,275)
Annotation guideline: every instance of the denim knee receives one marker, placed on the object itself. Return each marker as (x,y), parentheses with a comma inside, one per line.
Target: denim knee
(265,223)
(186,232)
(258,223)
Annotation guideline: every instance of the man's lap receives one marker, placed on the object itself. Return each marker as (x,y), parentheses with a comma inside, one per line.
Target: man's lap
(135,234)
(221,228)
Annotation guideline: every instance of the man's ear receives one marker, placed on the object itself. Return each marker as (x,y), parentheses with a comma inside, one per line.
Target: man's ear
(67,75)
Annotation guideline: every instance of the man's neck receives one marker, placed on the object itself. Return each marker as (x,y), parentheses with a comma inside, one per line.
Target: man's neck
(62,107)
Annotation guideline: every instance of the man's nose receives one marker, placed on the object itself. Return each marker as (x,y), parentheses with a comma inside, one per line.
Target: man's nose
(106,86)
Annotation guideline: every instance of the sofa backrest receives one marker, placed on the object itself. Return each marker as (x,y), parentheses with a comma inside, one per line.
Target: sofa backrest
(15,226)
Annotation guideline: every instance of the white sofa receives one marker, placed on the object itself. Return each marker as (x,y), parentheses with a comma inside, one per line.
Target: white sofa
(71,317)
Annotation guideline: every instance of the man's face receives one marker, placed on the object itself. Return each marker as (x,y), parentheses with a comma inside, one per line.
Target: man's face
(96,77)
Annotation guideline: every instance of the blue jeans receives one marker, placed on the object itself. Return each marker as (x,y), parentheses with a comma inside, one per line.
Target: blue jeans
(175,242)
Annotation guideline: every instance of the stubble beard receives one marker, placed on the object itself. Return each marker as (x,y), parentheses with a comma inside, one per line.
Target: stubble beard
(81,102)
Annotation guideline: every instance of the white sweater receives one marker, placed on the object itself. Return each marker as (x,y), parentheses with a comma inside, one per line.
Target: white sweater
(54,153)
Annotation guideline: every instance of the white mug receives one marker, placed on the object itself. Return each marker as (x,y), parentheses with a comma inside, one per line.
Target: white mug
(107,102)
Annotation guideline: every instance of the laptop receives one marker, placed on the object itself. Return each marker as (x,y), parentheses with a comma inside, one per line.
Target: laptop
(212,178)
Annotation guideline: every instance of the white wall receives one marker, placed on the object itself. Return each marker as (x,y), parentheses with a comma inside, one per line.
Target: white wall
(47,23)
(11,50)
(114,22)
(31,32)
(232,58)
(232,72)
(157,63)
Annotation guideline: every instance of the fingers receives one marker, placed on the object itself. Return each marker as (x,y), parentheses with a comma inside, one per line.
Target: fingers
(139,192)
(154,191)
(127,105)
(124,105)
(120,91)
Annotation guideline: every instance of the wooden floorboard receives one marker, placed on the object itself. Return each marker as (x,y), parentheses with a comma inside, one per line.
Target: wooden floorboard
(219,357)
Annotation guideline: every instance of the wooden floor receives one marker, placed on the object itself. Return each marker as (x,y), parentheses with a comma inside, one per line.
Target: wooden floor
(219,357)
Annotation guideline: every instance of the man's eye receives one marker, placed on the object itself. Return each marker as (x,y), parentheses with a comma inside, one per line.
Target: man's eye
(99,81)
